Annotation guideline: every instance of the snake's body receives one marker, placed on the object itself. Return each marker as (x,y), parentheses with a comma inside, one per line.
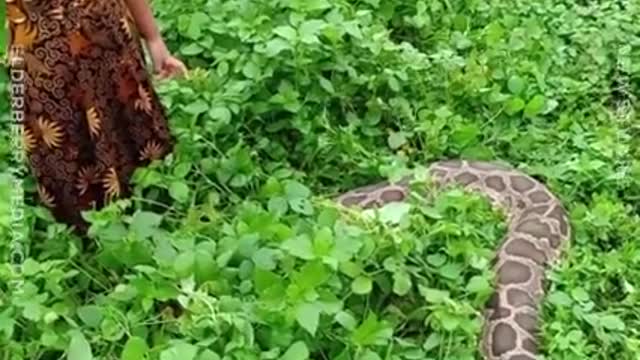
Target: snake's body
(538,227)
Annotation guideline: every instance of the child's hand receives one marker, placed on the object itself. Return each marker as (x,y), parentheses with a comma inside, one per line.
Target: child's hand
(172,67)
(165,65)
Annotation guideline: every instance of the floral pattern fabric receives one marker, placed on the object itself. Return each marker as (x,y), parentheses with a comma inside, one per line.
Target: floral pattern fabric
(91,114)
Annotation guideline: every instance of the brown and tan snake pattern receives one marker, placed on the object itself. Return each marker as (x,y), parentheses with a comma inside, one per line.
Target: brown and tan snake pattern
(538,227)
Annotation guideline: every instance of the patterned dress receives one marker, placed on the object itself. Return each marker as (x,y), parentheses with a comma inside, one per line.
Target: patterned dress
(91,115)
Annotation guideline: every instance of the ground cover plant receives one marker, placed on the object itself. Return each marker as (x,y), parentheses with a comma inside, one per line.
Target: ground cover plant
(230,249)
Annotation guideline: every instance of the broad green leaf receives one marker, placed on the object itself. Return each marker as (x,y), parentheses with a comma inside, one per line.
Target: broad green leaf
(299,246)
(286,32)
(580,294)
(79,347)
(372,332)
(208,355)
(91,315)
(179,191)
(401,283)
(265,259)
(296,190)
(134,349)
(191,49)
(466,135)
(251,70)
(297,351)
(368,355)
(612,322)
(180,351)
(301,206)
(220,113)
(197,107)
(535,106)
(514,105)
(361,285)
(346,320)
(396,140)
(326,84)
(394,212)
(275,46)
(184,263)
(434,296)
(205,267)
(516,85)
(144,223)
(310,29)
(308,316)
(182,170)
(198,21)
(478,284)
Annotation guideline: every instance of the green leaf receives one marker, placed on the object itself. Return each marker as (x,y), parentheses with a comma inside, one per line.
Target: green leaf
(478,284)
(205,267)
(436,260)
(465,135)
(91,315)
(301,206)
(535,106)
(434,296)
(184,263)
(434,340)
(361,285)
(396,140)
(79,347)
(134,349)
(394,212)
(296,190)
(323,242)
(182,170)
(401,283)
(372,332)
(451,271)
(180,351)
(251,70)
(197,107)
(179,191)
(286,32)
(310,29)
(579,294)
(326,84)
(220,113)
(516,85)
(297,351)
(275,46)
(278,205)
(369,354)
(143,223)
(208,355)
(514,105)
(346,320)
(449,322)
(191,49)
(299,246)
(198,21)
(308,316)
(265,259)
(612,322)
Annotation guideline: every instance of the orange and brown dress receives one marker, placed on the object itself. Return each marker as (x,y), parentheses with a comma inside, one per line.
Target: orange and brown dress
(91,114)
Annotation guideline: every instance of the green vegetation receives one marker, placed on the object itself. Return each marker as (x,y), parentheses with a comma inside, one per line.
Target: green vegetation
(229,249)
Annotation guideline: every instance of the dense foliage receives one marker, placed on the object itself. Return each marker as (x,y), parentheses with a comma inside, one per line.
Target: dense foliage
(229,249)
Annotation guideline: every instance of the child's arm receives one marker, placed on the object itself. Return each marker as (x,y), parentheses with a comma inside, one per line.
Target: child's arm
(144,19)
(164,64)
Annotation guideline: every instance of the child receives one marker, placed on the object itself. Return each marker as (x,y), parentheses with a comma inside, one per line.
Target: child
(91,115)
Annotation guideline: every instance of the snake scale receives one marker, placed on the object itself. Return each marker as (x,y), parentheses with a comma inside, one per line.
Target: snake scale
(538,227)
